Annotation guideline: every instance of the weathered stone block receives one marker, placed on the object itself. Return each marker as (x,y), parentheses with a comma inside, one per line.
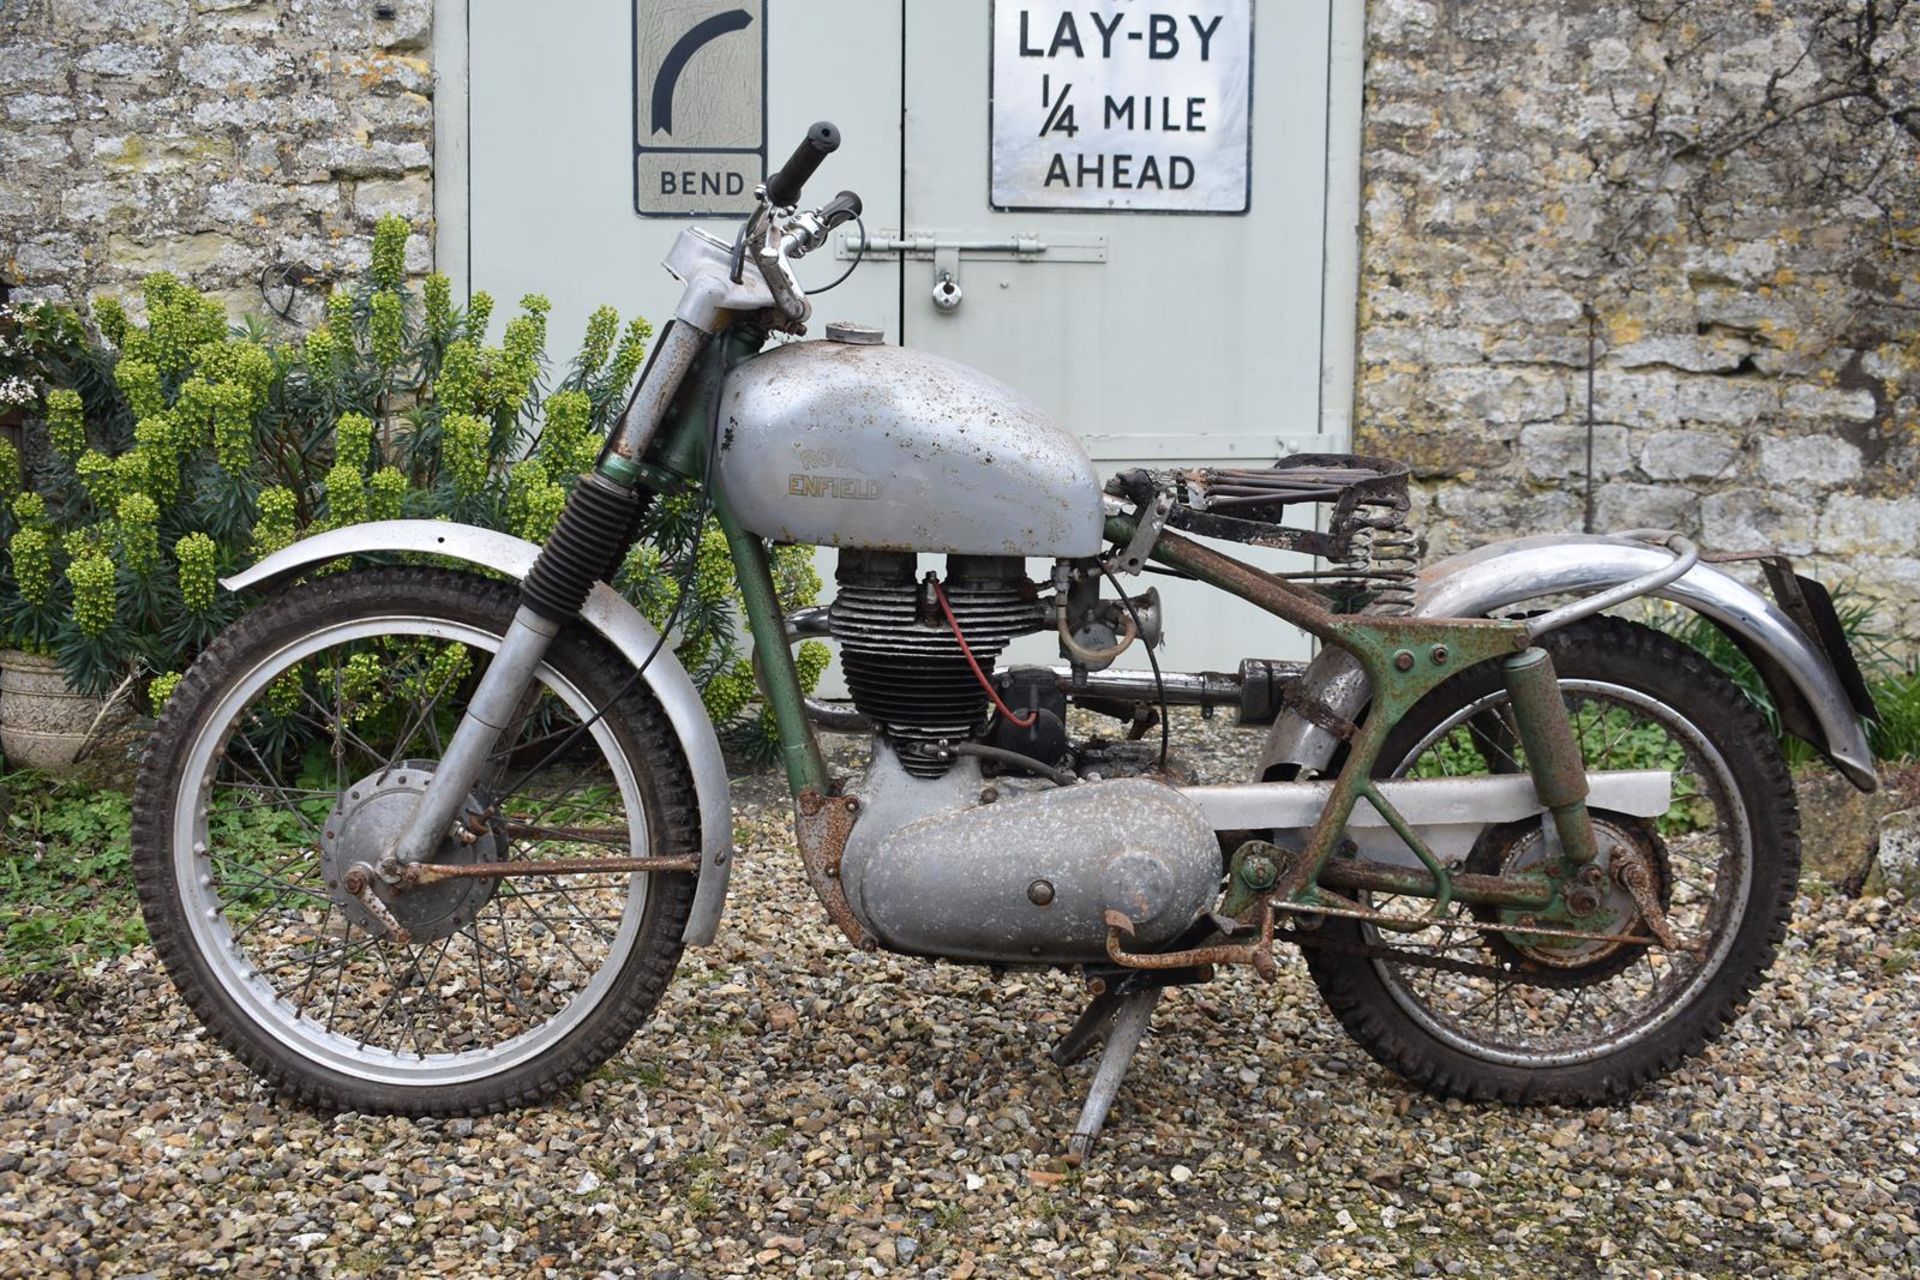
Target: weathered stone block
(26,64)
(1852,524)
(1423,344)
(354,158)
(1557,451)
(1809,462)
(221,66)
(1499,395)
(1649,398)
(40,108)
(1898,857)
(1623,505)
(1495,307)
(117,58)
(184,255)
(1688,455)
(411,197)
(1829,402)
(1689,352)
(1731,402)
(1751,519)
(122,15)
(1405,23)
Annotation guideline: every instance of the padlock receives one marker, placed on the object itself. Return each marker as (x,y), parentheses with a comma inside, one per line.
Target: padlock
(946,292)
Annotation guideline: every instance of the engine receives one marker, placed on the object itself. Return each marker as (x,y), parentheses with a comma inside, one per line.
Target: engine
(904,667)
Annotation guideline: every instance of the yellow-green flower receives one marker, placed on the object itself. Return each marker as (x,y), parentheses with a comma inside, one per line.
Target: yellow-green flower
(390,235)
(633,350)
(197,554)
(386,328)
(139,540)
(436,295)
(346,495)
(386,494)
(728,692)
(464,451)
(67,423)
(32,550)
(320,353)
(810,661)
(95,600)
(160,690)
(353,440)
(602,326)
(533,501)
(139,381)
(111,319)
(99,478)
(479,312)
(10,473)
(274,529)
(458,386)
(568,444)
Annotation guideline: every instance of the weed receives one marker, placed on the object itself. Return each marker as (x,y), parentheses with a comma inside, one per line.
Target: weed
(66,881)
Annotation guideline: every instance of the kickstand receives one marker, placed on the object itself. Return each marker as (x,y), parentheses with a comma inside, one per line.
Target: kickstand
(1122,1022)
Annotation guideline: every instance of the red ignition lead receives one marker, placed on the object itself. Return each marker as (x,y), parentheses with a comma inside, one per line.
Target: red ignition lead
(1005,710)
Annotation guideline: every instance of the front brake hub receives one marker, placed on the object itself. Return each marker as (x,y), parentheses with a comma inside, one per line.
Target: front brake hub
(363,827)
(1589,898)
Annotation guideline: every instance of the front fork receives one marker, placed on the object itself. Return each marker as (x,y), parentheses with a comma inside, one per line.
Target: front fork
(596,528)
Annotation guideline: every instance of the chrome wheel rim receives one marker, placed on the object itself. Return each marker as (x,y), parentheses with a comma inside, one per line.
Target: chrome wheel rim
(278,959)
(1536,1026)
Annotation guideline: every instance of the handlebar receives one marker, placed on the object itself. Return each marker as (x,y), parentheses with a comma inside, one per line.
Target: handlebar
(784,187)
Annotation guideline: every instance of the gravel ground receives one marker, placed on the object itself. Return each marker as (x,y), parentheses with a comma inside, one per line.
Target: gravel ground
(795,1109)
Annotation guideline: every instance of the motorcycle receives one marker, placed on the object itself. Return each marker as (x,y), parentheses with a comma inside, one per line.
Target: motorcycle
(430,840)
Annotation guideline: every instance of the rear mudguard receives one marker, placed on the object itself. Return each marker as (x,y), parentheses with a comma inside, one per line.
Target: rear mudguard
(1813,702)
(607,613)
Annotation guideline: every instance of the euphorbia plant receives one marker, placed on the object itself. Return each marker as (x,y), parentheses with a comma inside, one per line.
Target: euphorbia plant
(210,446)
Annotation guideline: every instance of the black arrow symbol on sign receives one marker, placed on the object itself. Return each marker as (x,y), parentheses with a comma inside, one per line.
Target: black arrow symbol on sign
(676,60)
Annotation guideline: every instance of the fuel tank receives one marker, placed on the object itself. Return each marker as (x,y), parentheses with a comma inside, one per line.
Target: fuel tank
(851,444)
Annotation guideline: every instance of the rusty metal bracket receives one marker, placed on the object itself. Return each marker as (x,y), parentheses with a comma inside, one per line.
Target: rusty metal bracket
(417,873)
(1631,870)
(821,825)
(1259,954)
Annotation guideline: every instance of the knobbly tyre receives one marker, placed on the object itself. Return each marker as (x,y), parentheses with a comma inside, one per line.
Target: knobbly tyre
(414,840)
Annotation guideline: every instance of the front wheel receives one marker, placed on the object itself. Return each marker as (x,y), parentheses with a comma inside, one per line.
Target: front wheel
(292,751)
(1501,1014)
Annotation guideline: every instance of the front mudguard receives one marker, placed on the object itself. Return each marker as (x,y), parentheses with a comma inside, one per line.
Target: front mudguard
(607,613)
(1812,698)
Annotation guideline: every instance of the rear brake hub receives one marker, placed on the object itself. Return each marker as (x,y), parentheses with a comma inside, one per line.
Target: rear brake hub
(365,824)
(1590,898)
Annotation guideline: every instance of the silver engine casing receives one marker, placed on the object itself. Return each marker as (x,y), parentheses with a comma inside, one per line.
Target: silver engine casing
(929,870)
(848,445)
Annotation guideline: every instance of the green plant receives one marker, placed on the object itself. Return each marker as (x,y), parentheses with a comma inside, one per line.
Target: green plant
(187,448)
(64,885)
(1893,677)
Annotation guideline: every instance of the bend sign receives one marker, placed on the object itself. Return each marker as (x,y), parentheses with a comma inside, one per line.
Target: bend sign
(699,106)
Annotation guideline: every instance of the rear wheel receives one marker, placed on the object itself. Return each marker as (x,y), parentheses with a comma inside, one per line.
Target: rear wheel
(1517,1017)
(289,755)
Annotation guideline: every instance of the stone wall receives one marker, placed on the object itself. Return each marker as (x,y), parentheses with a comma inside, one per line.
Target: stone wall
(247,147)
(1643,183)
(1542,184)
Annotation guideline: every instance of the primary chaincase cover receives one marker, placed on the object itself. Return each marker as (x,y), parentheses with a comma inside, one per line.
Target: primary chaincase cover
(857,445)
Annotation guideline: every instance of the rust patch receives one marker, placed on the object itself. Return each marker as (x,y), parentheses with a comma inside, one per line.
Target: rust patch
(821,826)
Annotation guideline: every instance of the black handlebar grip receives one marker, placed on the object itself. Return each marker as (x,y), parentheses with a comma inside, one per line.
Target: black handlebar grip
(783,188)
(840,209)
